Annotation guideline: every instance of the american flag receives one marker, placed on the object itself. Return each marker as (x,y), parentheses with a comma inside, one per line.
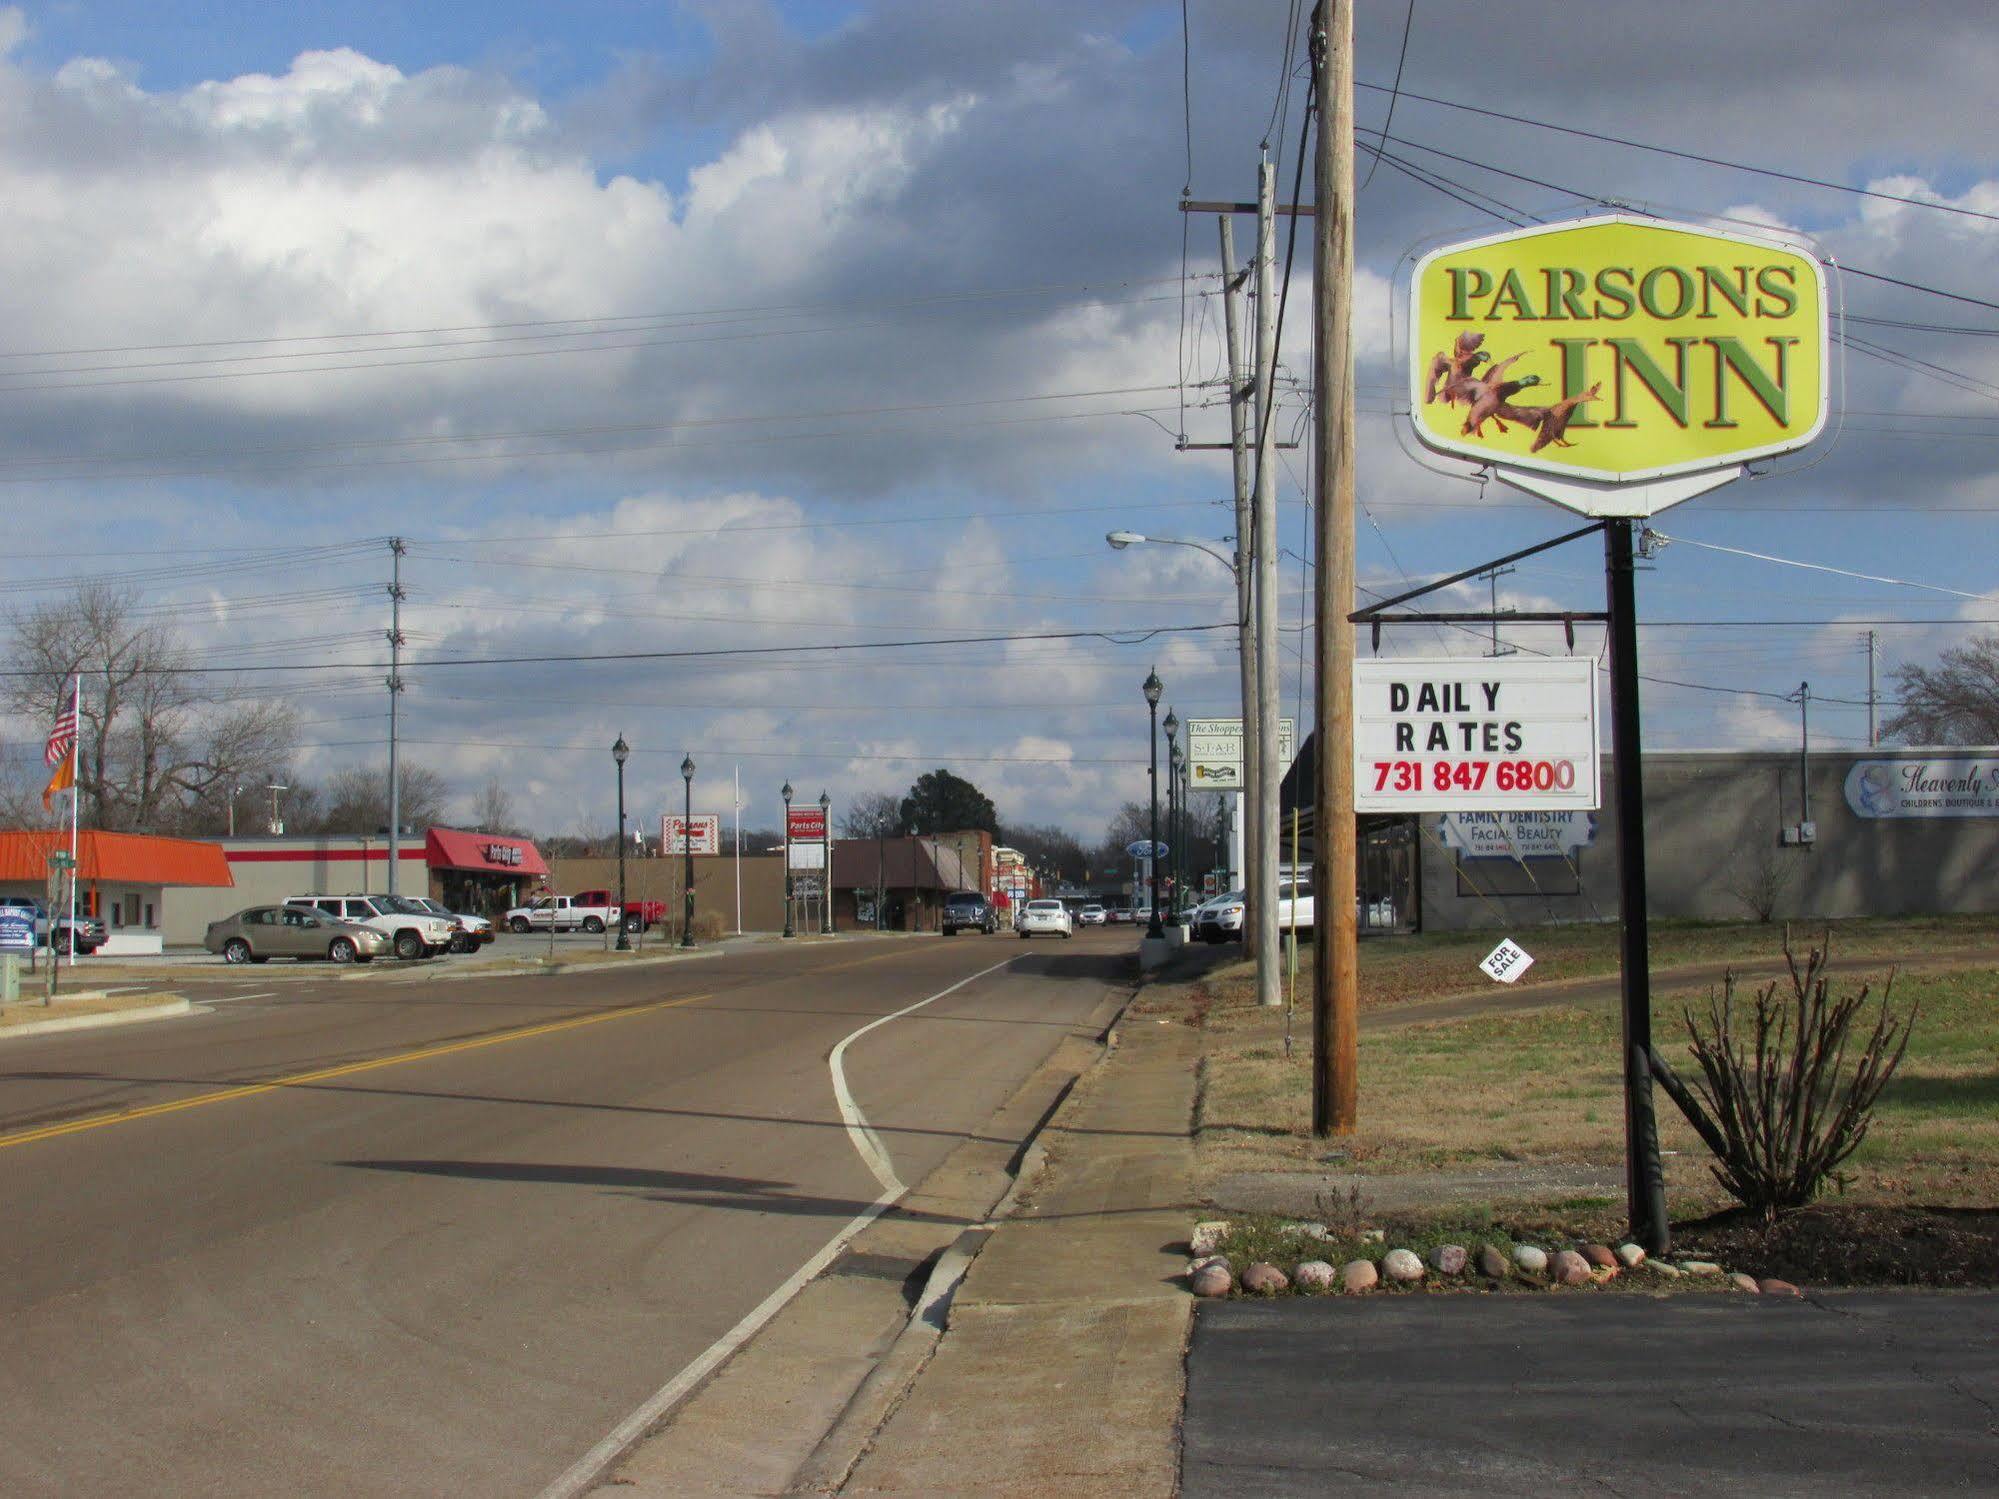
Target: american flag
(63,738)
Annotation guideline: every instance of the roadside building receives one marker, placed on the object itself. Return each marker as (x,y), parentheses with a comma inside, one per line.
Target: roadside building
(904,879)
(1730,835)
(478,872)
(126,880)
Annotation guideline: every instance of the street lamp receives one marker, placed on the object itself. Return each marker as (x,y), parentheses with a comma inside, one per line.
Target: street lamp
(1119,540)
(826,874)
(1152,690)
(789,929)
(620,751)
(687,843)
(1172,727)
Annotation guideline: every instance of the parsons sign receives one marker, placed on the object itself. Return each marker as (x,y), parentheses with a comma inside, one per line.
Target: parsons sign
(1618,349)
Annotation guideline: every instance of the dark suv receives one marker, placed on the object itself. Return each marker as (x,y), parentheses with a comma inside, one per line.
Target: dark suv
(968,908)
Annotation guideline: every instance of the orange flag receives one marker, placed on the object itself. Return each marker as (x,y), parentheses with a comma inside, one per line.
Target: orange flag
(63,780)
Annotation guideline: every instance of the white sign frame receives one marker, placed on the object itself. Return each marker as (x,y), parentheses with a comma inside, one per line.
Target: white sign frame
(706,829)
(1214,752)
(1482,718)
(808,855)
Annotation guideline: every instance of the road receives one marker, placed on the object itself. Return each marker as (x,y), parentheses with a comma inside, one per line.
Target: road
(339,1237)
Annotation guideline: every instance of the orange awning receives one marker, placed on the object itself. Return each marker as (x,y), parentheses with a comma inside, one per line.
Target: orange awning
(133,858)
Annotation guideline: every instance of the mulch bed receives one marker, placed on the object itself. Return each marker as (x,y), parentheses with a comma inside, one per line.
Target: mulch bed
(1833,1244)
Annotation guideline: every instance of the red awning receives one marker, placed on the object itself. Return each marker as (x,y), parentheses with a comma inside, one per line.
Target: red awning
(487,853)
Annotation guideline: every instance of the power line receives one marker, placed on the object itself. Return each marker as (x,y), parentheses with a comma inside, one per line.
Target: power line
(1395,90)
(1712,161)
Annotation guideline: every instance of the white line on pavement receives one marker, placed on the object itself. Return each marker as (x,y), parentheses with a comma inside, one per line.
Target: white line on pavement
(582,1474)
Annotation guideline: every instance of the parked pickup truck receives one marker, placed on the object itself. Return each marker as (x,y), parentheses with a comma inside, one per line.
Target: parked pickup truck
(640,915)
(82,935)
(566,913)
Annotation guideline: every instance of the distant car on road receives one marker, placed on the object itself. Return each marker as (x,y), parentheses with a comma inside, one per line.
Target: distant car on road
(968,908)
(264,932)
(1050,917)
(1092,915)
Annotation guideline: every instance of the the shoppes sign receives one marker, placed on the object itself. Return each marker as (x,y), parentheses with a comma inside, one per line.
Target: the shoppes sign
(1923,788)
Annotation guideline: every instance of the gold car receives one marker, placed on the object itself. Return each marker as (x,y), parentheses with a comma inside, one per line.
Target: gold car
(265,932)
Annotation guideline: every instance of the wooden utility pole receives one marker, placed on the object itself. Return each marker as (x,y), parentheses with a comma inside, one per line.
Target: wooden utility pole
(1266,773)
(1239,415)
(1336,976)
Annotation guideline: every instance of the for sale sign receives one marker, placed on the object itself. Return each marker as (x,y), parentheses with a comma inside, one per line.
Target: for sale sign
(1475,734)
(1506,962)
(1618,350)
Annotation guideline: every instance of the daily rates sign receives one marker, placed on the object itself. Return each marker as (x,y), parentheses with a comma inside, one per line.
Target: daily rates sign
(1475,734)
(1618,351)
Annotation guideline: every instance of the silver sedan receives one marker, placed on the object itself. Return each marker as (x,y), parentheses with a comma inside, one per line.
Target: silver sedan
(265,932)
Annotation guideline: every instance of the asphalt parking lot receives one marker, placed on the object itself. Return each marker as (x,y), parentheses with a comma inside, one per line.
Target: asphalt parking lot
(1855,1392)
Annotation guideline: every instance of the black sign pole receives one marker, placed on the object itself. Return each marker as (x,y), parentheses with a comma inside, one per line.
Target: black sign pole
(1645,1190)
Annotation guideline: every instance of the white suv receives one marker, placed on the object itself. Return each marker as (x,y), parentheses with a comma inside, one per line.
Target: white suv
(411,930)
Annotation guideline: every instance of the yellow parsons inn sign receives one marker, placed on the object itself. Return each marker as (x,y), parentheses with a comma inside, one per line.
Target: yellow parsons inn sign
(1618,349)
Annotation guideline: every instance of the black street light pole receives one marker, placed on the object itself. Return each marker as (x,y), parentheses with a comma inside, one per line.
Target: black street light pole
(826,875)
(1152,691)
(789,929)
(619,752)
(1172,727)
(687,844)
(1176,837)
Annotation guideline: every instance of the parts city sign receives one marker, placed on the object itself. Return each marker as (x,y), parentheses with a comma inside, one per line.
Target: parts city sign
(1475,734)
(1618,351)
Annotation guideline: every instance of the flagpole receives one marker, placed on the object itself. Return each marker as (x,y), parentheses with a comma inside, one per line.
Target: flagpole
(75,797)
(738,798)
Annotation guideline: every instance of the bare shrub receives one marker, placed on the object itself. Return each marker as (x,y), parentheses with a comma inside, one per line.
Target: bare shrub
(1761,880)
(1776,1101)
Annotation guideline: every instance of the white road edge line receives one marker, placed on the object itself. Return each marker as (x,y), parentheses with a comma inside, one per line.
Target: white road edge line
(583,1474)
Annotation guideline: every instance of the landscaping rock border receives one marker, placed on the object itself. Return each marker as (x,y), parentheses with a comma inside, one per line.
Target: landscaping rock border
(1559,1267)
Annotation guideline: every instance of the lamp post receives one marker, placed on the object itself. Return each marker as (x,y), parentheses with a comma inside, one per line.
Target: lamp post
(789,929)
(1176,840)
(1172,727)
(881,876)
(620,751)
(687,843)
(1152,690)
(826,874)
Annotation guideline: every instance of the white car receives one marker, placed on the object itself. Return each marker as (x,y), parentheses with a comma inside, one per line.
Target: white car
(1220,918)
(474,932)
(1092,915)
(412,931)
(1047,916)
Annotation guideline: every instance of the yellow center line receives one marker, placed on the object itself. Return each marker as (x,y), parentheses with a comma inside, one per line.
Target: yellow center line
(345,1069)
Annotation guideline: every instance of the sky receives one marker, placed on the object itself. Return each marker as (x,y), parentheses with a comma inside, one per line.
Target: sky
(769,328)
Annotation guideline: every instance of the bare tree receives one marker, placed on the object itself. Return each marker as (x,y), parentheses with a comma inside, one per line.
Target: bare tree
(870,814)
(1954,702)
(160,748)
(356,800)
(493,809)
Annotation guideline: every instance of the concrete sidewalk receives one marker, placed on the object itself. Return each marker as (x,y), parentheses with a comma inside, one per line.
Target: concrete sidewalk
(1061,1370)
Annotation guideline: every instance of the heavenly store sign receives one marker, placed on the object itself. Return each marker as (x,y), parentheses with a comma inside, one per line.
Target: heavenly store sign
(1475,734)
(1617,352)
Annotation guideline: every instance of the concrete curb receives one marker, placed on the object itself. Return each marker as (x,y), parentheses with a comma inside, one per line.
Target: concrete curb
(165,1010)
(878,1395)
(888,1384)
